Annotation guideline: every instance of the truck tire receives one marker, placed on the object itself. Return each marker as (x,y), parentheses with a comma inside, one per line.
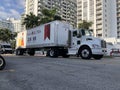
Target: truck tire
(97,57)
(53,53)
(2,63)
(48,53)
(85,52)
(19,52)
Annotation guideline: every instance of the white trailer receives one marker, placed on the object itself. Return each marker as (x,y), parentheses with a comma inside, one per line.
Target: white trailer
(60,39)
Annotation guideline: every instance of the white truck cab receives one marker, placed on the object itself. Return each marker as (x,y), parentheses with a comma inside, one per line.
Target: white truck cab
(85,45)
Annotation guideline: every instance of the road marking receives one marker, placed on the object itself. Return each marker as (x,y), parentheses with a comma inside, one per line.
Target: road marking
(9,70)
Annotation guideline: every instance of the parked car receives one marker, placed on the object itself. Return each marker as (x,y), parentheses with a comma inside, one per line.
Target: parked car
(2,63)
(5,48)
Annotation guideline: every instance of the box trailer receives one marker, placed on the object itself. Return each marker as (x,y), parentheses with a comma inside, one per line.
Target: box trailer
(60,39)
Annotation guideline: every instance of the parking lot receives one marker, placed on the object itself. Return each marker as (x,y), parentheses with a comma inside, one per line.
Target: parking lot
(44,73)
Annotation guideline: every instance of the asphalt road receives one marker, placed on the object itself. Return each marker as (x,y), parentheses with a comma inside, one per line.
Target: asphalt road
(43,73)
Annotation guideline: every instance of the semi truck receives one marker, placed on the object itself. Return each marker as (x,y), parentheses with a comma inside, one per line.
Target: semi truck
(59,38)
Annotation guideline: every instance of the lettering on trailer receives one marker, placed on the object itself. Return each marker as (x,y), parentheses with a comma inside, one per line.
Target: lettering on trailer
(47,32)
(34,32)
(21,39)
(32,36)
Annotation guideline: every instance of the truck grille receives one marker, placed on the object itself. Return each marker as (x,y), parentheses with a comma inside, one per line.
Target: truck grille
(103,44)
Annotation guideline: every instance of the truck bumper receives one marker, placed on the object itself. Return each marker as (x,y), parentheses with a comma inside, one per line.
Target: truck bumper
(99,51)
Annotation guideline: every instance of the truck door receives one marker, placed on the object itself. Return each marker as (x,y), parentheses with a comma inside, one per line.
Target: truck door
(76,41)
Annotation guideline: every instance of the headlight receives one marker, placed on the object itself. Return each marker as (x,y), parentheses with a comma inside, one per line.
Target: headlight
(95,46)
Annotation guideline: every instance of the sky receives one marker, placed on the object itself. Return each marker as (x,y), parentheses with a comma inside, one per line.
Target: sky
(11,8)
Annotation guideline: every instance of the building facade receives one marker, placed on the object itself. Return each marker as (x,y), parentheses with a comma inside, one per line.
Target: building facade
(16,24)
(67,9)
(6,24)
(103,15)
(118,18)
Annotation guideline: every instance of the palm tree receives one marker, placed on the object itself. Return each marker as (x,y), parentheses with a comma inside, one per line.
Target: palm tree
(49,15)
(5,35)
(85,25)
(31,21)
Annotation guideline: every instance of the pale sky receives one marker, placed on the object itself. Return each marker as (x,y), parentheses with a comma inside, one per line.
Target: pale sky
(11,8)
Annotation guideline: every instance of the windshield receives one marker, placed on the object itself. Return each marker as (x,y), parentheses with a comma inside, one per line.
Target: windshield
(86,32)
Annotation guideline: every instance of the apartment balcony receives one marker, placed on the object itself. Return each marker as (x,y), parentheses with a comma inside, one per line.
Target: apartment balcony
(99,17)
(118,11)
(118,6)
(118,2)
(118,14)
(98,3)
(98,12)
(99,31)
(99,26)
(118,25)
(118,30)
(99,22)
(99,7)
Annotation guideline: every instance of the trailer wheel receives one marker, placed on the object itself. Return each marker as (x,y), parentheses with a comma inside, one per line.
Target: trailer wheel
(2,63)
(19,52)
(48,53)
(97,57)
(53,53)
(85,52)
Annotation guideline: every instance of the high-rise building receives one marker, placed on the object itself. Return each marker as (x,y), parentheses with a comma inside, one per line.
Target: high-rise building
(16,24)
(22,20)
(118,18)
(6,24)
(67,9)
(103,15)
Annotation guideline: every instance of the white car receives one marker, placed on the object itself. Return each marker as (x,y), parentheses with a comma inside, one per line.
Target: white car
(113,49)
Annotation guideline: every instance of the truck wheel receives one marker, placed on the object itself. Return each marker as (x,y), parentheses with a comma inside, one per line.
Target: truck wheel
(19,52)
(53,53)
(2,63)
(85,52)
(48,53)
(97,57)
